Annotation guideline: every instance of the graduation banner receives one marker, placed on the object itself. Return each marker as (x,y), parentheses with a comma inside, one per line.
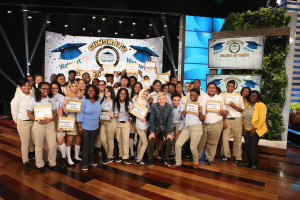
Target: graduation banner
(236,53)
(251,81)
(80,53)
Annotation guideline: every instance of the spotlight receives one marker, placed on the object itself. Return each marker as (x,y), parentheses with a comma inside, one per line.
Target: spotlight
(178,37)
(120,22)
(99,31)
(28,64)
(66,25)
(29,17)
(147,35)
(163,36)
(133,23)
(165,25)
(103,19)
(116,33)
(48,22)
(94,17)
(9,11)
(83,29)
(131,34)
(24,10)
(150,24)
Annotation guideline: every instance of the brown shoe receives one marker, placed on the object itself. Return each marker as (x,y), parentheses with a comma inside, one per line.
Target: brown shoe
(196,166)
(175,166)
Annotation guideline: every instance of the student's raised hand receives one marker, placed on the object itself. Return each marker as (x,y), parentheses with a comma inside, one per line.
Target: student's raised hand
(140,73)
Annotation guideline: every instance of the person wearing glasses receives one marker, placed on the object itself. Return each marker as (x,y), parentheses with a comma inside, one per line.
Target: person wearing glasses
(43,128)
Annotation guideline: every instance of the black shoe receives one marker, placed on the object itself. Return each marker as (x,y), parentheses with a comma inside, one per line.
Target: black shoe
(93,164)
(142,163)
(118,159)
(168,162)
(55,167)
(131,157)
(248,165)
(31,156)
(209,162)
(85,168)
(151,164)
(107,160)
(172,156)
(27,166)
(126,161)
(63,163)
(41,169)
(239,163)
(224,158)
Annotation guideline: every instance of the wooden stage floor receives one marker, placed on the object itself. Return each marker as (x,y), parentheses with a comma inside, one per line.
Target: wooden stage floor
(278,177)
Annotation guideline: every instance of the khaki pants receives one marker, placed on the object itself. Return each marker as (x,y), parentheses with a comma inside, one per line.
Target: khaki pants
(122,134)
(40,131)
(210,138)
(234,126)
(143,143)
(107,135)
(26,136)
(194,132)
(98,139)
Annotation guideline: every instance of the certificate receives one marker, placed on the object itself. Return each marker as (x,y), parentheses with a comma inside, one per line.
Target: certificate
(134,98)
(192,107)
(139,111)
(168,72)
(42,112)
(132,68)
(108,83)
(108,69)
(183,100)
(150,64)
(232,97)
(73,66)
(66,124)
(145,84)
(154,96)
(104,117)
(162,81)
(164,76)
(73,106)
(213,106)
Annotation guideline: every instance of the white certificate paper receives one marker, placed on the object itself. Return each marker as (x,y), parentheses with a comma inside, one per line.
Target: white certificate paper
(104,116)
(155,97)
(183,100)
(213,106)
(108,69)
(232,97)
(66,124)
(41,112)
(74,106)
(192,107)
(139,111)
(150,64)
(163,76)
(132,68)
(145,84)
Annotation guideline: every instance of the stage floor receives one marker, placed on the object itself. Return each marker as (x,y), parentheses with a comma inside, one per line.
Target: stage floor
(278,177)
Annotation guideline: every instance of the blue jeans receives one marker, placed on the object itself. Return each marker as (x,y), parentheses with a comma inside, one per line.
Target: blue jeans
(88,142)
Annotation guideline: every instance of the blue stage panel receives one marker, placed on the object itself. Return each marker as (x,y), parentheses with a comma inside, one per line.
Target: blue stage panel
(196,55)
(217,24)
(195,71)
(195,23)
(197,39)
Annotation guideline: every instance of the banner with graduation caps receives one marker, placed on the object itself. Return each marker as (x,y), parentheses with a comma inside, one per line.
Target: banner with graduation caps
(251,81)
(64,53)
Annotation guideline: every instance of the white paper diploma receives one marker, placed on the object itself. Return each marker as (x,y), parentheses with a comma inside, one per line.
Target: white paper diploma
(154,96)
(139,111)
(163,76)
(104,116)
(40,112)
(66,124)
(150,64)
(108,69)
(132,68)
(192,107)
(183,100)
(74,106)
(213,106)
(145,84)
(232,97)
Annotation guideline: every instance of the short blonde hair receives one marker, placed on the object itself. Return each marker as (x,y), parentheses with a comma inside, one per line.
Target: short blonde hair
(72,94)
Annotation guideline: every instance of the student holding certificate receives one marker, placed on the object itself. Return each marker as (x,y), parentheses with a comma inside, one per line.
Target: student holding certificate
(192,130)
(88,124)
(156,87)
(142,126)
(232,123)
(44,127)
(123,125)
(213,124)
(109,125)
(161,125)
(24,124)
(65,149)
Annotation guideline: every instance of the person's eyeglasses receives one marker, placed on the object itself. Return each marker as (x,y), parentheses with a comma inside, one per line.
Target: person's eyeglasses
(54,88)
(45,88)
(106,91)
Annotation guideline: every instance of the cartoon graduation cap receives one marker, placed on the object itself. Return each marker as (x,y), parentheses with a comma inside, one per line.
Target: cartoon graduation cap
(250,83)
(218,46)
(253,44)
(217,81)
(69,51)
(143,53)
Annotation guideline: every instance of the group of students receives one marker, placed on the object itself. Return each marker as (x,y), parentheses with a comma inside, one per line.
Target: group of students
(164,131)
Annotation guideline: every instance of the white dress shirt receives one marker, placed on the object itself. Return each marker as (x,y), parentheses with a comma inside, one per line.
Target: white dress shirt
(233,113)
(212,117)
(19,106)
